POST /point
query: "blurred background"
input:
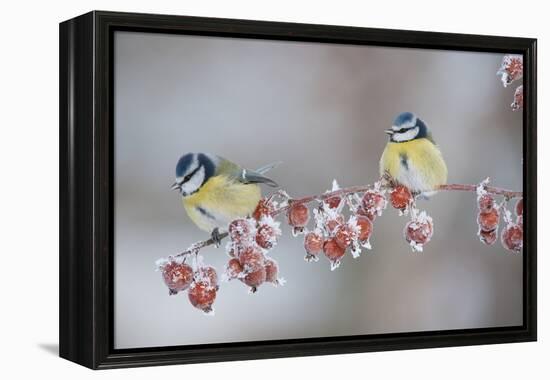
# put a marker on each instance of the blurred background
(321, 109)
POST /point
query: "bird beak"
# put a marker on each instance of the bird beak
(176, 186)
(389, 131)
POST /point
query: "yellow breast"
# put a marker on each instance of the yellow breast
(417, 164)
(221, 200)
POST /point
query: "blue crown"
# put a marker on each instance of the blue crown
(404, 118)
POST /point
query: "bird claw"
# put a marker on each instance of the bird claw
(216, 237)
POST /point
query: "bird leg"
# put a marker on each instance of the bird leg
(216, 237)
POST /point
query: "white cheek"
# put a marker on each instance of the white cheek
(194, 183)
(405, 136)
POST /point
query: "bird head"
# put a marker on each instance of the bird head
(192, 171)
(406, 127)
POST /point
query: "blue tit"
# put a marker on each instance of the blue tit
(216, 191)
(411, 156)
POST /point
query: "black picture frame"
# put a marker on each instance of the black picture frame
(86, 189)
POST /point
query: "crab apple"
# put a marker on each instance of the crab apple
(264, 208)
(488, 220)
(419, 231)
(512, 237)
(400, 197)
(488, 237)
(251, 259)
(298, 215)
(333, 202)
(271, 271)
(255, 278)
(485, 203)
(519, 207)
(233, 268)
(313, 243)
(344, 235)
(365, 227)
(518, 99)
(333, 222)
(511, 68)
(202, 296)
(362, 212)
(266, 237)
(240, 231)
(333, 251)
(177, 277)
(208, 274)
(373, 202)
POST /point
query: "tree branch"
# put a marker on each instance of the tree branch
(349, 191)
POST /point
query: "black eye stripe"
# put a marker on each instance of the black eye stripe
(188, 176)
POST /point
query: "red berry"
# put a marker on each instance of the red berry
(202, 296)
(240, 231)
(264, 208)
(518, 99)
(177, 276)
(298, 215)
(488, 220)
(365, 227)
(255, 278)
(208, 275)
(373, 202)
(271, 271)
(251, 259)
(485, 203)
(512, 237)
(400, 197)
(266, 237)
(362, 212)
(519, 207)
(313, 243)
(233, 268)
(419, 232)
(333, 251)
(488, 237)
(333, 202)
(344, 235)
(333, 223)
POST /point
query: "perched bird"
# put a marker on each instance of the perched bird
(411, 156)
(216, 191)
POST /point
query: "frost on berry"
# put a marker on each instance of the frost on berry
(488, 237)
(251, 259)
(333, 252)
(365, 230)
(177, 276)
(313, 244)
(344, 235)
(517, 104)
(488, 220)
(254, 279)
(485, 202)
(374, 201)
(419, 231)
(202, 296)
(298, 217)
(233, 269)
(207, 274)
(242, 231)
(264, 208)
(401, 198)
(511, 68)
(512, 237)
(268, 232)
(519, 207)
(272, 272)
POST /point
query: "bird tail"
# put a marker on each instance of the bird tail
(268, 167)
